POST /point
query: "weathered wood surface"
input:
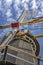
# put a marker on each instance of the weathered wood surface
(21, 45)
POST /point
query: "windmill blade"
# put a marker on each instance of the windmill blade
(32, 22)
(26, 15)
(17, 24)
(5, 26)
(38, 36)
(36, 28)
(23, 20)
(12, 25)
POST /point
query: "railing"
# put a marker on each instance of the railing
(19, 50)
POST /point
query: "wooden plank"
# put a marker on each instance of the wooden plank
(19, 50)
(23, 55)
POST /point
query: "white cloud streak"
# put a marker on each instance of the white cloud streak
(34, 4)
(17, 2)
(8, 13)
(8, 2)
(25, 6)
(25, 1)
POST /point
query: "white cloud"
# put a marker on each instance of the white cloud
(17, 2)
(1, 6)
(19, 13)
(25, 1)
(17, 9)
(10, 20)
(34, 4)
(25, 6)
(8, 13)
(5, 31)
(0, 3)
(41, 4)
(8, 2)
(16, 6)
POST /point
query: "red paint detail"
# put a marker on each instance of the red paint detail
(15, 25)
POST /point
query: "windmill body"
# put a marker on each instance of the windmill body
(20, 47)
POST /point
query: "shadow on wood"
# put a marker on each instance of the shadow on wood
(7, 63)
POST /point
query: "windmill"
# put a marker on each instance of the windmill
(20, 47)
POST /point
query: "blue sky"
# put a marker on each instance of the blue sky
(11, 10)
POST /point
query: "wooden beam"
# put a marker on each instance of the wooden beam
(24, 23)
(19, 50)
(38, 36)
(19, 58)
(32, 22)
(5, 26)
